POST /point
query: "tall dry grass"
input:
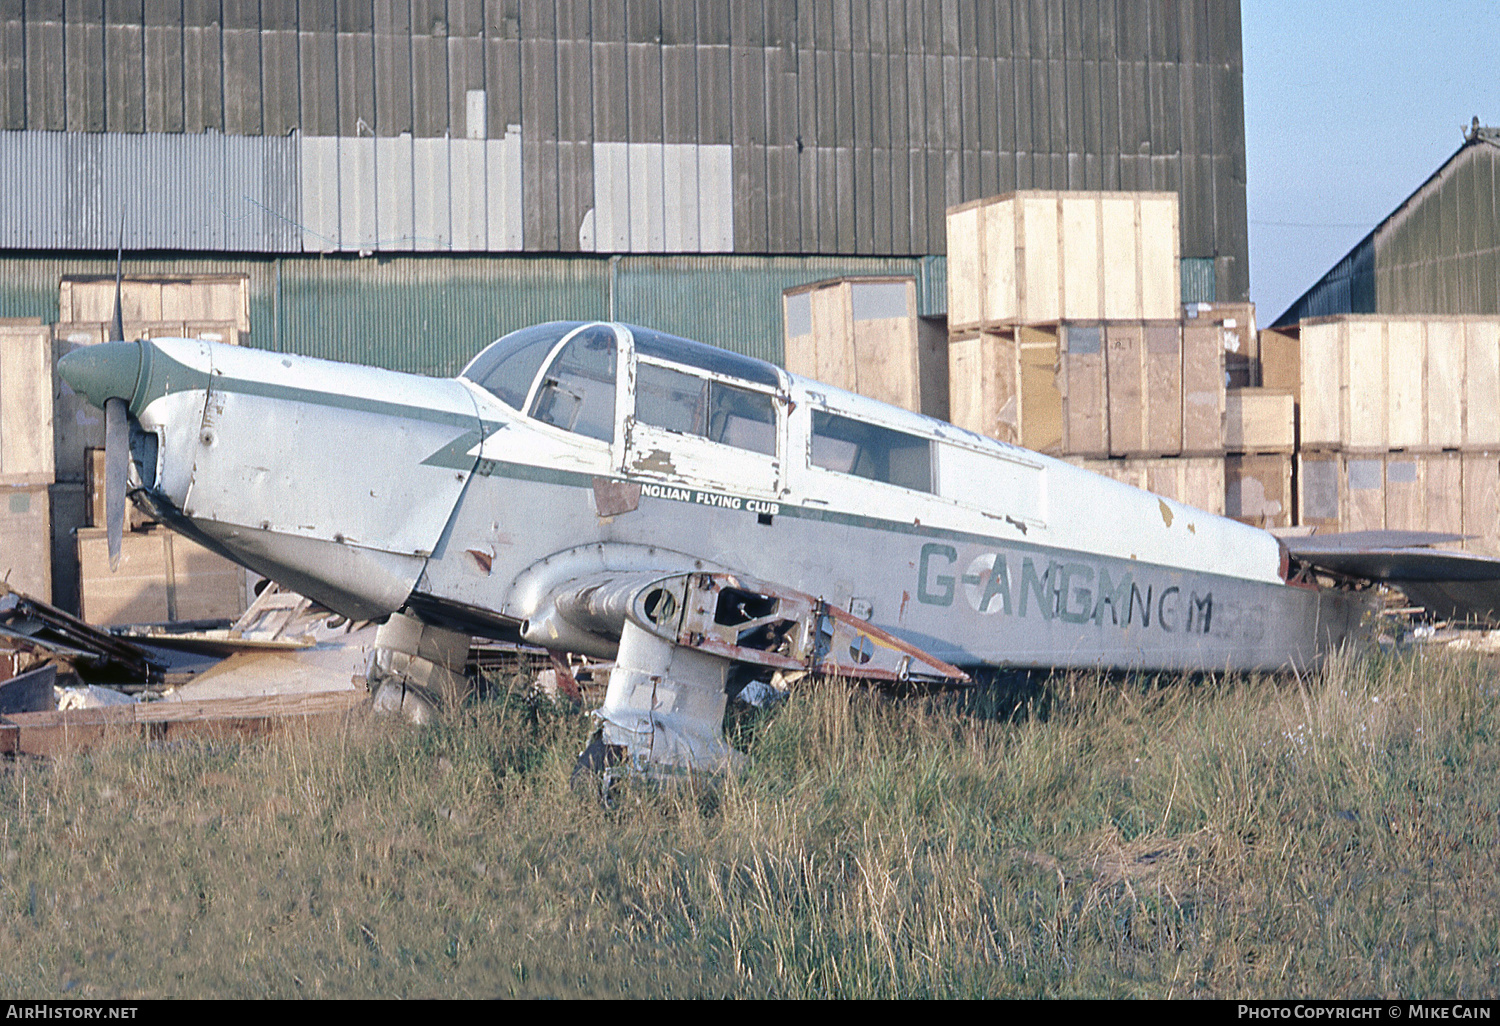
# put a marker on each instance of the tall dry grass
(1332, 836)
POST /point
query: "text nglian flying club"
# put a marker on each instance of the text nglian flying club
(702, 518)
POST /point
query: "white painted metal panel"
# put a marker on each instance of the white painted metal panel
(466, 195)
(431, 223)
(612, 197)
(995, 483)
(307, 411)
(646, 214)
(393, 192)
(716, 198)
(475, 114)
(320, 193)
(680, 185)
(357, 194)
(503, 193)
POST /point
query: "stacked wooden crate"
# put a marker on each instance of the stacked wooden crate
(1260, 422)
(863, 334)
(212, 307)
(27, 467)
(1398, 422)
(1066, 336)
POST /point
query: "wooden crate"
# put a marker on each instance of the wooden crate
(1202, 389)
(1036, 257)
(26, 540)
(94, 485)
(196, 297)
(1281, 360)
(1258, 489)
(1144, 365)
(26, 408)
(1373, 383)
(162, 576)
(1340, 491)
(1094, 390)
(1192, 480)
(864, 335)
(1236, 324)
(1259, 420)
(1481, 501)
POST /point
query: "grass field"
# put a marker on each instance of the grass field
(1330, 837)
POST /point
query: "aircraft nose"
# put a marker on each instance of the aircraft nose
(105, 371)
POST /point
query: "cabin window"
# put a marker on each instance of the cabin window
(854, 447)
(508, 366)
(577, 392)
(720, 412)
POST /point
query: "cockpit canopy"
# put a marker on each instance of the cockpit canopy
(563, 374)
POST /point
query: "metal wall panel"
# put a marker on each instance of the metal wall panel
(124, 98)
(317, 67)
(854, 122)
(242, 75)
(162, 53)
(174, 191)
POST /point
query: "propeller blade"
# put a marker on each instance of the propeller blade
(117, 333)
(116, 461)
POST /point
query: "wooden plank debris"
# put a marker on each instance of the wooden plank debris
(54, 734)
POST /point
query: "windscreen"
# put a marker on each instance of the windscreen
(508, 366)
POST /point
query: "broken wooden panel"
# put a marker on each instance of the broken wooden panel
(982, 394)
(1258, 489)
(1236, 323)
(1259, 420)
(1041, 398)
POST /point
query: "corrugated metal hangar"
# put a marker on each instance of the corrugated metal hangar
(403, 181)
(1437, 253)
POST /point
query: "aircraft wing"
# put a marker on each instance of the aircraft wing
(1451, 584)
(681, 634)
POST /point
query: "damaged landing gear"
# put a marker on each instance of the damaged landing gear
(417, 670)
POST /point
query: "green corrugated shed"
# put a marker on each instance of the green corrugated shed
(431, 314)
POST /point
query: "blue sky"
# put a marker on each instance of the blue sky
(1349, 106)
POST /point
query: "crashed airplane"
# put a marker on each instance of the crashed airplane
(700, 517)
